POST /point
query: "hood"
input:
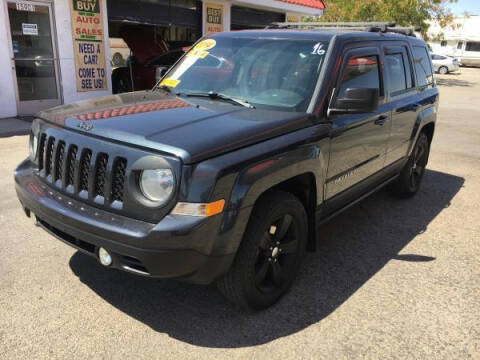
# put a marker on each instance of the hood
(192, 129)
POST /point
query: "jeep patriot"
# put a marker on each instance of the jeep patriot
(223, 171)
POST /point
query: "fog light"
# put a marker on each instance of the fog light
(104, 257)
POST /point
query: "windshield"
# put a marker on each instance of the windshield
(278, 74)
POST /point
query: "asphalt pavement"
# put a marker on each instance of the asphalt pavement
(391, 278)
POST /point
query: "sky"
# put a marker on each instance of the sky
(471, 6)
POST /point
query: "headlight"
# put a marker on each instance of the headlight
(33, 146)
(157, 185)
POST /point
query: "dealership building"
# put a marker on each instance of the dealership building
(56, 52)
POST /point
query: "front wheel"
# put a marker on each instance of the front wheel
(409, 180)
(270, 253)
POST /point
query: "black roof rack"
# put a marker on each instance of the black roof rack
(380, 27)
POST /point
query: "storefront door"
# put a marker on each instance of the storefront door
(34, 62)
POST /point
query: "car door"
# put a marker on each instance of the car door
(402, 95)
(358, 140)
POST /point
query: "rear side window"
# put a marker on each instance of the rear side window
(396, 73)
(472, 46)
(360, 72)
(423, 67)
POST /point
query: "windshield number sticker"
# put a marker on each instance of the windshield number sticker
(318, 49)
(206, 44)
(170, 82)
(198, 53)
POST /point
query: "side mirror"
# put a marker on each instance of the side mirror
(357, 100)
(160, 71)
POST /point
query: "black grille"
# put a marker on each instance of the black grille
(85, 169)
(118, 179)
(49, 155)
(70, 167)
(41, 151)
(100, 174)
(59, 161)
(72, 156)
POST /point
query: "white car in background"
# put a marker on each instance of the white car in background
(444, 64)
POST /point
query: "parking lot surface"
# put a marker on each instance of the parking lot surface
(391, 278)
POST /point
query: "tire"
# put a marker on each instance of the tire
(117, 59)
(410, 179)
(270, 253)
(121, 83)
(443, 70)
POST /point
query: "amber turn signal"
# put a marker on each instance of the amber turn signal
(199, 209)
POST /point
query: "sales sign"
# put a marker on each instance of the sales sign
(214, 18)
(88, 45)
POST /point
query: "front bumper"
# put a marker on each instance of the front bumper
(184, 247)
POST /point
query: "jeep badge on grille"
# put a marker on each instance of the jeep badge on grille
(85, 125)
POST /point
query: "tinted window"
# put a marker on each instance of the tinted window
(166, 59)
(396, 72)
(443, 43)
(360, 72)
(422, 65)
(472, 46)
(459, 45)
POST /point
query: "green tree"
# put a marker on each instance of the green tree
(403, 12)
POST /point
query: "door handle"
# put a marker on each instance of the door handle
(381, 120)
(414, 107)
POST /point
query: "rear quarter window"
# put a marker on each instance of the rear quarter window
(423, 66)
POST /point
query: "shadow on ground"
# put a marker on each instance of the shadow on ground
(352, 248)
(451, 82)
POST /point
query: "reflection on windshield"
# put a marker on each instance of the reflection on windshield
(269, 73)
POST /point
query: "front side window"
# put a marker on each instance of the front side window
(360, 72)
(472, 46)
(277, 74)
(423, 66)
(460, 45)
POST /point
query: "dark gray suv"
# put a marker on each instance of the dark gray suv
(223, 171)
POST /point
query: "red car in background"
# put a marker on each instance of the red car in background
(149, 60)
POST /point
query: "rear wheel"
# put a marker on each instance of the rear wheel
(443, 70)
(409, 180)
(270, 253)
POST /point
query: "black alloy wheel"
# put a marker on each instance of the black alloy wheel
(270, 253)
(417, 168)
(410, 179)
(277, 252)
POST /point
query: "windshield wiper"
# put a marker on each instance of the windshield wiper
(214, 95)
(163, 87)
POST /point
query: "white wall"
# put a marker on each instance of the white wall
(63, 31)
(8, 105)
(466, 28)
